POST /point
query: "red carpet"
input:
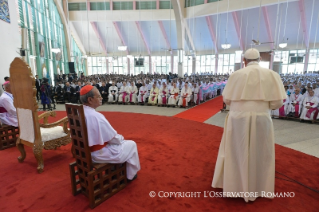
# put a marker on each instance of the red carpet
(203, 111)
(176, 155)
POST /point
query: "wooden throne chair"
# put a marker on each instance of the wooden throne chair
(96, 181)
(31, 132)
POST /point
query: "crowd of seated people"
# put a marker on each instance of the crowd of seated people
(150, 89)
(302, 97)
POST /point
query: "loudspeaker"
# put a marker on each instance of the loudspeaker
(71, 68)
(22, 52)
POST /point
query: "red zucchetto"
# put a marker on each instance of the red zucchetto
(86, 89)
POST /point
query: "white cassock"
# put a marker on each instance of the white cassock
(172, 100)
(297, 100)
(124, 94)
(163, 96)
(116, 150)
(283, 110)
(8, 113)
(246, 157)
(143, 90)
(196, 93)
(185, 93)
(133, 94)
(312, 113)
(113, 90)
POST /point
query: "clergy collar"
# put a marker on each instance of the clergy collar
(253, 63)
(88, 107)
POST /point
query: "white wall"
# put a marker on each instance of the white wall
(10, 41)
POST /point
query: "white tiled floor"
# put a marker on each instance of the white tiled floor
(303, 137)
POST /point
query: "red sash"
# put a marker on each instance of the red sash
(297, 109)
(142, 97)
(312, 110)
(184, 101)
(3, 110)
(131, 94)
(282, 110)
(153, 96)
(197, 101)
(123, 97)
(97, 147)
(164, 98)
(175, 95)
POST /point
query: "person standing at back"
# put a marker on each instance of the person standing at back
(246, 157)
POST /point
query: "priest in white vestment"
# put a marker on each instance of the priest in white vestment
(195, 91)
(246, 157)
(133, 93)
(105, 144)
(172, 100)
(124, 93)
(186, 94)
(113, 93)
(295, 100)
(8, 113)
(310, 107)
(143, 93)
(163, 95)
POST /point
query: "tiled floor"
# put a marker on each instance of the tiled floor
(303, 137)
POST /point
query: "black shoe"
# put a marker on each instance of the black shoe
(132, 179)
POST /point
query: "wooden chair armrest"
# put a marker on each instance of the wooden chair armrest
(46, 115)
(57, 123)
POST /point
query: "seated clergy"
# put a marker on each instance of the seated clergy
(133, 93)
(143, 93)
(173, 99)
(113, 90)
(195, 91)
(295, 100)
(124, 93)
(105, 144)
(163, 95)
(104, 91)
(283, 110)
(186, 95)
(153, 95)
(310, 106)
(8, 113)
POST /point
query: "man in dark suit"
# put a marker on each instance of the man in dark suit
(68, 92)
(70, 79)
(96, 85)
(104, 92)
(77, 91)
(37, 85)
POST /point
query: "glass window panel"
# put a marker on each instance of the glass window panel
(226, 59)
(232, 59)
(311, 67)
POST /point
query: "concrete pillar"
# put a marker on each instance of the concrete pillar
(194, 65)
(128, 66)
(150, 64)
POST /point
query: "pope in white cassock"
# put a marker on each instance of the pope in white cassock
(105, 144)
(246, 157)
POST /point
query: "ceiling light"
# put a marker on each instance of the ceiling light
(122, 48)
(226, 45)
(282, 45)
(55, 50)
